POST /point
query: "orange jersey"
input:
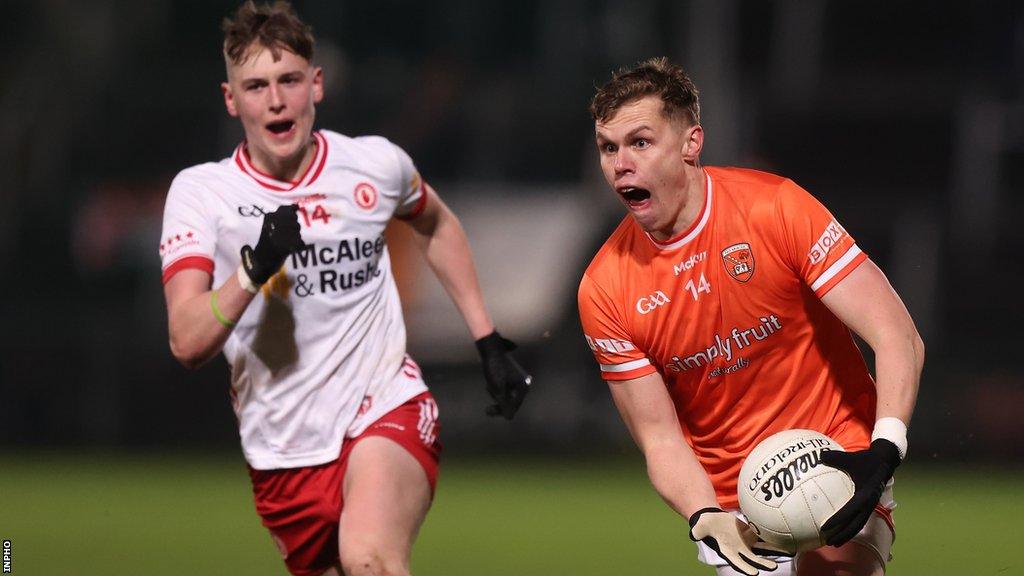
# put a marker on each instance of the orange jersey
(729, 313)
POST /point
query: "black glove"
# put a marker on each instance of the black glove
(870, 469)
(507, 382)
(734, 541)
(278, 238)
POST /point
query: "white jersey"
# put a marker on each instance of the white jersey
(319, 354)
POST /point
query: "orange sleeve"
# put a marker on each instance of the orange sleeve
(613, 348)
(820, 250)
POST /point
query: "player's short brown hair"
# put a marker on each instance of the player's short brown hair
(273, 26)
(656, 76)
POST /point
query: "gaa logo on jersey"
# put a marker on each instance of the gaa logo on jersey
(739, 261)
(366, 195)
(649, 304)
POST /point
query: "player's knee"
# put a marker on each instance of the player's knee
(367, 558)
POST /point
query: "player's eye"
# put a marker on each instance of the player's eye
(641, 143)
(608, 148)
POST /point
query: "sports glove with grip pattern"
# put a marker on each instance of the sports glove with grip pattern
(869, 469)
(734, 541)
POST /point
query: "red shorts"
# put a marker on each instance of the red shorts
(302, 506)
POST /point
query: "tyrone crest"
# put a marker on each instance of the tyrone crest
(739, 261)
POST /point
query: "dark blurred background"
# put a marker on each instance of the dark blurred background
(906, 119)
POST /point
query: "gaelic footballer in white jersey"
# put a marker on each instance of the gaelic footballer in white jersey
(319, 355)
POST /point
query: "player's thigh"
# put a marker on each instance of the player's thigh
(865, 555)
(386, 495)
(851, 559)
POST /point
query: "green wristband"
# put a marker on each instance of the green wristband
(216, 312)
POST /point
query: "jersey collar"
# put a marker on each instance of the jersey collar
(693, 230)
(244, 163)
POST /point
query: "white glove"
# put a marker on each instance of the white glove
(734, 541)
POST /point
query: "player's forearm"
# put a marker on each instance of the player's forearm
(679, 478)
(196, 334)
(449, 256)
(899, 360)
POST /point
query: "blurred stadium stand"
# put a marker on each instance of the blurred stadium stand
(907, 119)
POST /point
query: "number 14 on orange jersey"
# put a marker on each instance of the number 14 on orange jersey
(696, 288)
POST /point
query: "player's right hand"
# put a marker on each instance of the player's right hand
(279, 237)
(734, 541)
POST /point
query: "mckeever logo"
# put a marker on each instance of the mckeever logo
(689, 263)
(647, 304)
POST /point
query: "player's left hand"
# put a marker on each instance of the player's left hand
(870, 469)
(734, 541)
(507, 381)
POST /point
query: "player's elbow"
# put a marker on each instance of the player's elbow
(902, 342)
(918, 345)
(191, 357)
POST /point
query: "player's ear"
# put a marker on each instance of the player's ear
(229, 99)
(318, 84)
(693, 143)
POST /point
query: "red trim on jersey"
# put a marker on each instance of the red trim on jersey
(318, 162)
(421, 203)
(194, 262)
(244, 163)
(857, 260)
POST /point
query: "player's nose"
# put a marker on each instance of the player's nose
(276, 100)
(623, 162)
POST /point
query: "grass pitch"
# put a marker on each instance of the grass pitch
(193, 515)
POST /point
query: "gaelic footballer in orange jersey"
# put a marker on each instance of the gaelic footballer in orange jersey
(728, 312)
(721, 310)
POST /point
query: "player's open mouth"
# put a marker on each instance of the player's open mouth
(635, 197)
(281, 127)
